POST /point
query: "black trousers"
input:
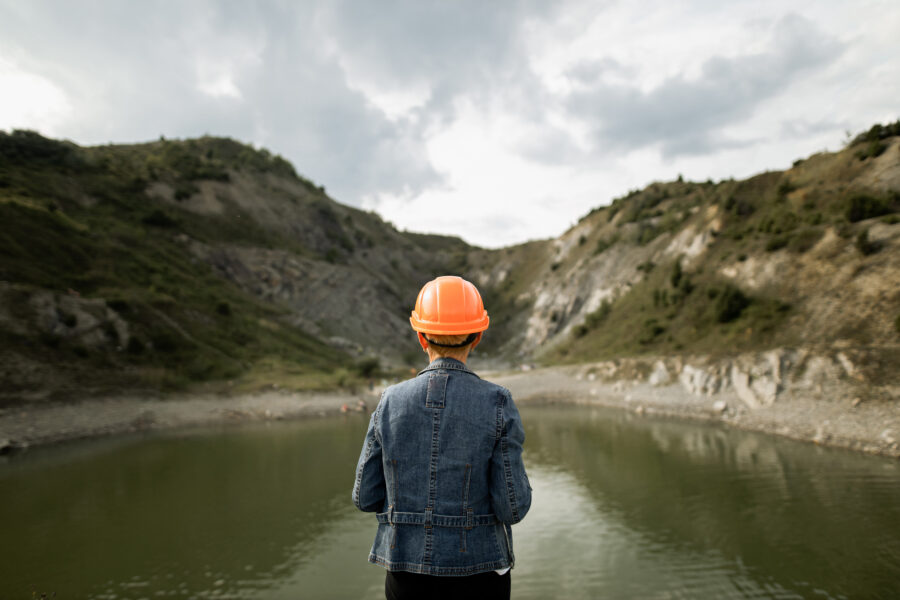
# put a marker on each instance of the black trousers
(400, 585)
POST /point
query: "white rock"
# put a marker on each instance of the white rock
(660, 375)
(741, 383)
(756, 385)
(720, 406)
(699, 381)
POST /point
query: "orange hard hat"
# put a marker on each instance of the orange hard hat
(449, 305)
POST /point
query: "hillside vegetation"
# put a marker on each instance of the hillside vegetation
(207, 262)
(139, 266)
(805, 257)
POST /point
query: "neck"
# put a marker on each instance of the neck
(433, 356)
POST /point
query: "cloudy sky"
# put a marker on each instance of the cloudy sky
(496, 121)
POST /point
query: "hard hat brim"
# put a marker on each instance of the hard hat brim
(449, 328)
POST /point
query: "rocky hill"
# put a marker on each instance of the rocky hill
(161, 265)
(207, 262)
(750, 285)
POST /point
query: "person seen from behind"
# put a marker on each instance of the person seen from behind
(441, 462)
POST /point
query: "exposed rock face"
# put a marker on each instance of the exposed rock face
(748, 382)
(337, 303)
(755, 380)
(755, 389)
(759, 380)
(87, 322)
(660, 375)
(700, 381)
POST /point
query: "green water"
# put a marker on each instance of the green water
(624, 507)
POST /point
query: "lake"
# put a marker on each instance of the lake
(624, 507)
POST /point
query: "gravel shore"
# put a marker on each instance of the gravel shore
(865, 426)
(22, 427)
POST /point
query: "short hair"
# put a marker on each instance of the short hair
(457, 353)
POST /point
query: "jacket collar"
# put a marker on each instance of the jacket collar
(444, 362)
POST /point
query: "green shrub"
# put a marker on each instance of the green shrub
(729, 304)
(29, 147)
(660, 298)
(677, 274)
(777, 243)
(134, 346)
(780, 222)
(785, 188)
(864, 244)
(119, 305)
(877, 132)
(646, 233)
(159, 219)
(184, 190)
(650, 330)
(603, 244)
(804, 239)
(164, 342)
(871, 150)
(646, 266)
(613, 210)
(368, 366)
(844, 231)
(864, 206)
(598, 316)
(224, 309)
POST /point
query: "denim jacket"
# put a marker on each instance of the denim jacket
(442, 467)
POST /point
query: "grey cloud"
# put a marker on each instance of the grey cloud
(687, 115)
(590, 72)
(446, 44)
(801, 128)
(130, 72)
(550, 146)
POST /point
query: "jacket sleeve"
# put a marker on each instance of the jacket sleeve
(369, 487)
(510, 490)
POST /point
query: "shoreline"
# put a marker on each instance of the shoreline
(24, 427)
(872, 427)
(866, 426)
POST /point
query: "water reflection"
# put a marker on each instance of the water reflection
(226, 512)
(624, 507)
(773, 517)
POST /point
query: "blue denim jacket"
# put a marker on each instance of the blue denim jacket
(442, 467)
